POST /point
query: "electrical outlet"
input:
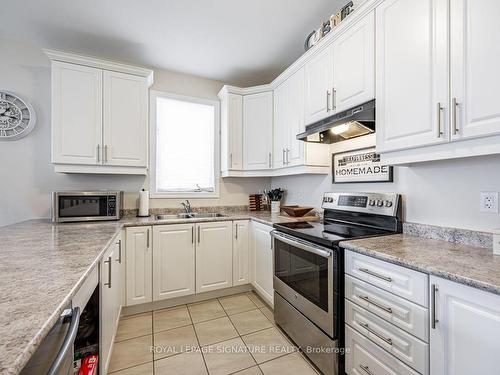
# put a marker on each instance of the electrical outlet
(489, 202)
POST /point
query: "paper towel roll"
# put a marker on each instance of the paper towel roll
(144, 203)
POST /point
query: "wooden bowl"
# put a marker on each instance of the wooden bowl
(296, 211)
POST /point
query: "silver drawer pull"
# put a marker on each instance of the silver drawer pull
(369, 329)
(370, 272)
(366, 369)
(382, 307)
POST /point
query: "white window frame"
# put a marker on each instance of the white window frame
(154, 94)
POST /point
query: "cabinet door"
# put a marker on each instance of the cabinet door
(295, 120)
(214, 256)
(354, 65)
(231, 132)
(262, 259)
(138, 265)
(76, 114)
(125, 120)
(411, 73)
(173, 267)
(475, 77)
(318, 86)
(241, 261)
(258, 130)
(465, 338)
(281, 126)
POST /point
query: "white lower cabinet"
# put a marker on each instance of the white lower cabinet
(109, 300)
(139, 265)
(262, 261)
(174, 261)
(465, 330)
(241, 250)
(214, 256)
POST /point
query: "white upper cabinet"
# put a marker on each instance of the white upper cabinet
(465, 326)
(231, 131)
(354, 65)
(281, 114)
(174, 261)
(475, 76)
(99, 115)
(258, 130)
(411, 73)
(319, 86)
(125, 120)
(76, 114)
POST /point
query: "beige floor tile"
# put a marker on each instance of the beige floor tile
(237, 304)
(183, 364)
(131, 352)
(255, 370)
(291, 364)
(250, 321)
(215, 330)
(207, 310)
(268, 344)
(268, 313)
(170, 318)
(174, 341)
(227, 357)
(134, 326)
(256, 299)
(145, 369)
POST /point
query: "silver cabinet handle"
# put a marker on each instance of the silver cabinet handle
(434, 320)
(380, 306)
(105, 153)
(147, 238)
(236, 234)
(366, 369)
(283, 161)
(287, 160)
(328, 100)
(192, 234)
(108, 284)
(270, 160)
(439, 110)
(231, 160)
(199, 235)
(119, 260)
(371, 330)
(334, 99)
(98, 153)
(377, 275)
(68, 342)
(454, 106)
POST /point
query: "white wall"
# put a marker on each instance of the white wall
(444, 193)
(26, 175)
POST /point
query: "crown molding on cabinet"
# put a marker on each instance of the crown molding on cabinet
(99, 169)
(74, 58)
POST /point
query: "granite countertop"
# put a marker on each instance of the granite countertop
(42, 266)
(465, 264)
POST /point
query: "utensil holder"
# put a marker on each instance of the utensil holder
(275, 207)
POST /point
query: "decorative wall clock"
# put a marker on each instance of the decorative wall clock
(17, 117)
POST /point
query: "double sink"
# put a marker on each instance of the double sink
(190, 215)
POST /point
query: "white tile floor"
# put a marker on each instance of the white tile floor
(229, 335)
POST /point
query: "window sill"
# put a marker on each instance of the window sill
(185, 195)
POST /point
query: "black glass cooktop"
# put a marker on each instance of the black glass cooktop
(328, 233)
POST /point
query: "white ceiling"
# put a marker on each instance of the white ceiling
(242, 42)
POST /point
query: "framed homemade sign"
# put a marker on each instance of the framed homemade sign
(360, 166)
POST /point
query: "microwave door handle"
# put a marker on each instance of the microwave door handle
(68, 342)
(309, 248)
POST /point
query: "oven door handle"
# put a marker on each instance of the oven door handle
(309, 248)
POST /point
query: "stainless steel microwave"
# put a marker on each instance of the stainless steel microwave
(71, 206)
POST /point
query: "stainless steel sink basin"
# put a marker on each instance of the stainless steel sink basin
(193, 215)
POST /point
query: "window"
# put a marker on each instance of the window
(184, 146)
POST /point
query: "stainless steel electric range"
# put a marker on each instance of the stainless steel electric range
(309, 270)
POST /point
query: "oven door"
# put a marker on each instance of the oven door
(304, 276)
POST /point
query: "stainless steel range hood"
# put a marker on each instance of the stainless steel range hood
(349, 124)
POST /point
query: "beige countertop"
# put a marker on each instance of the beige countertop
(465, 264)
(42, 266)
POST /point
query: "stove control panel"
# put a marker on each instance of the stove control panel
(374, 203)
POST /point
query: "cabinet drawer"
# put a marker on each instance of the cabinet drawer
(363, 357)
(402, 345)
(401, 281)
(404, 314)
